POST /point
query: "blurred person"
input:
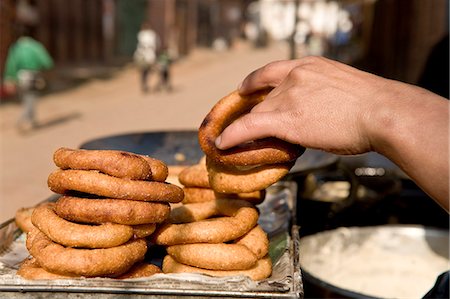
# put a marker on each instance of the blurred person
(26, 61)
(164, 62)
(145, 54)
(323, 104)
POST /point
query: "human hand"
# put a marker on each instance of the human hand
(316, 102)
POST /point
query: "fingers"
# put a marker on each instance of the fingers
(249, 127)
(270, 75)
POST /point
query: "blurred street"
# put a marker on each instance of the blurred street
(103, 107)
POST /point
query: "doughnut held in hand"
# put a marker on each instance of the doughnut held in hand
(92, 182)
(257, 152)
(130, 212)
(58, 259)
(72, 234)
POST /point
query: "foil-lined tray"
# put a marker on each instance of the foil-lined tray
(277, 218)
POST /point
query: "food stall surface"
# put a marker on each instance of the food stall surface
(348, 195)
(277, 218)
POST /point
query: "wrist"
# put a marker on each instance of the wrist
(380, 120)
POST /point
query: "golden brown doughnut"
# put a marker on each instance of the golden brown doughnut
(195, 194)
(143, 230)
(260, 271)
(219, 256)
(193, 212)
(258, 152)
(92, 182)
(141, 269)
(58, 259)
(160, 171)
(23, 217)
(30, 269)
(116, 163)
(256, 240)
(255, 197)
(120, 211)
(241, 217)
(240, 255)
(195, 175)
(72, 234)
(229, 179)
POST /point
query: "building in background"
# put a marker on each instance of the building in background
(96, 32)
(393, 38)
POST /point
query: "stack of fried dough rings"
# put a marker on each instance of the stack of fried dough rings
(213, 233)
(111, 202)
(248, 167)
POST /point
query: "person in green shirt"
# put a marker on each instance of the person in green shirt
(26, 60)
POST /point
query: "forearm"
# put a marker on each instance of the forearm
(410, 126)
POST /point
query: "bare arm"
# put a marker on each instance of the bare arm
(323, 104)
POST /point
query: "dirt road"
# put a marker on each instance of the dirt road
(114, 106)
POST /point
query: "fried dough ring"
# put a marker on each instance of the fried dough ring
(219, 256)
(241, 217)
(58, 259)
(116, 163)
(120, 211)
(241, 255)
(263, 151)
(30, 269)
(255, 197)
(72, 234)
(194, 176)
(256, 240)
(23, 217)
(140, 270)
(260, 271)
(143, 230)
(92, 182)
(195, 195)
(160, 171)
(228, 179)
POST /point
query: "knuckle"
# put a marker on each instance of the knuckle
(298, 73)
(270, 69)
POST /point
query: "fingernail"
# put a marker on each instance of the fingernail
(218, 141)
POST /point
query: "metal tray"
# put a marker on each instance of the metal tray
(277, 217)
